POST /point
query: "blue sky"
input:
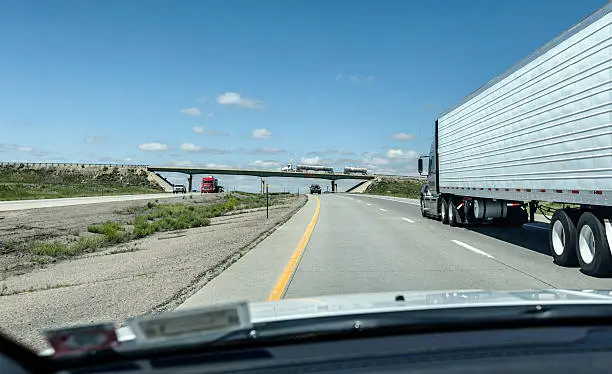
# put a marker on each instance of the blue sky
(252, 83)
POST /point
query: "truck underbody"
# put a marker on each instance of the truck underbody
(539, 132)
(580, 235)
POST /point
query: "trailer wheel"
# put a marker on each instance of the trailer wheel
(468, 212)
(562, 239)
(592, 247)
(444, 211)
(453, 214)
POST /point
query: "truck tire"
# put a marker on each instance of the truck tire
(592, 247)
(444, 211)
(562, 239)
(453, 214)
(468, 212)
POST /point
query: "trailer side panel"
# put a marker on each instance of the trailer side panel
(541, 132)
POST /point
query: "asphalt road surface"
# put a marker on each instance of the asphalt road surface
(369, 244)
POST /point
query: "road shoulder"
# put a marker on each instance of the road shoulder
(253, 276)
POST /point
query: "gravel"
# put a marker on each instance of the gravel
(61, 222)
(149, 275)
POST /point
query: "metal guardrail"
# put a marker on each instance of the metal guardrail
(3, 163)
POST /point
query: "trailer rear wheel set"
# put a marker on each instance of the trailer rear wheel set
(577, 236)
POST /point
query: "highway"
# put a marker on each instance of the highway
(369, 244)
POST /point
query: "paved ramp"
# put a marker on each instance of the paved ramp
(361, 187)
(161, 181)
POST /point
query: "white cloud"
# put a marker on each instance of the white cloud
(332, 152)
(182, 163)
(191, 111)
(94, 139)
(311, 160)
(202, 130)
(210, 114)
(376, 161)
(369, 79)
(339, 76)
(398, 153)
(403, 137)
(219, 166)
(24, 149)
(265, 164)
(261, 134)
(233, 98)
(190, 147)
(155, 146)
(267, 150)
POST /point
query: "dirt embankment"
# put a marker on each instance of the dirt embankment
(141, 276)
(21, 181)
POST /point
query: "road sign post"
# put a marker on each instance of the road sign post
(267, 203)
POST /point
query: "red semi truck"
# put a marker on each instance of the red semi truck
(210, 184)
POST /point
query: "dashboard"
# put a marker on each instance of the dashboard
(528, 350)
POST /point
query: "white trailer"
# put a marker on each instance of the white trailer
(355, 170)
(319, 168)
(541, 131)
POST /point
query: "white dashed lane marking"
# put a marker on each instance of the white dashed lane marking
(536, 227)
(470, 248)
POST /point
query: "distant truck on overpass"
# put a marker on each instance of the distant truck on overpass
(319, 168)
(355, 170)
(540, 132)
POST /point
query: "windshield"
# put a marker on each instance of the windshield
(160, 156)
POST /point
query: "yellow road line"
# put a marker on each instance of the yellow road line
(283, 281)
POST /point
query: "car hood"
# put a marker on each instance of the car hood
(363, 303)
(380, 302)
(394, 301)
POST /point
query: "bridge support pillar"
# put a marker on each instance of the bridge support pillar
(190, 182)
(334, 186)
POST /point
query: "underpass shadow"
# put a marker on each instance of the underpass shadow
(532, 236)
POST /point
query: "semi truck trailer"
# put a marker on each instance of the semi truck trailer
(355, 170)
(539, 132)
(319, 168)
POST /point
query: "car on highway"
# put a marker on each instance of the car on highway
(454, 331)
(315, 188)
(179, 188)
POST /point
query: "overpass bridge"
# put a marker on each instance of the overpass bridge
(195, 170)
